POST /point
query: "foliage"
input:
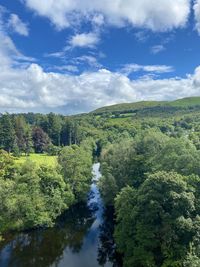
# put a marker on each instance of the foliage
(158, 222)
(37, 195)
(7, 136)
(150, 161)
(129, 160)
(7, 165)
(76, 166)
(40, 140)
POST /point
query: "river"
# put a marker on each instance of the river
(82, 237)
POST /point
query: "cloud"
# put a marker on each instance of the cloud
(196, 8)
(130, 68)
(26, 86)
(157, 49)
(59, 54)
(33, 89)
(98, 20)
(9, 55)
(87, 59)
(141, 36)
(17, 25)
(68, 68)
(157, 15)
(84, 40)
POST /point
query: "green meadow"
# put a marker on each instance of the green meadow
(39, 159)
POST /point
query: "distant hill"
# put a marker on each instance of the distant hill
(186, 102)
(149, 105)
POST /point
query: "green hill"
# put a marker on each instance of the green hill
(148, 105)
(186, 102)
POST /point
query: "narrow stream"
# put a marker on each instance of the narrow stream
(79, 239)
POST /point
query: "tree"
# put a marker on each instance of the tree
(28, 143)
(7, 133)
(129, 160)
(179, 155)
(20, 129)
(76, 166)
(37, 195)
(69, 133)
(108, 189)
(7, 165)
(57, 192)
(158, 223)
(54, 128)
(40, 140)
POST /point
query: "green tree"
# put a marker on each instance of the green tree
(157, 223)
(108, 189)
(54, 128)
(76, 164)
(28, 142)
(7, 165)
(179, 155)
(20, 129)
(37, 195)
(56, 191)
(129, 160)
(7, 133)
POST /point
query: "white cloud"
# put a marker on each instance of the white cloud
(84, 40)
(33, 89)
(157, 15)
(141, 36)
(88, 59)
(196, 8)
(28, 87)
(68, 68)
(157, 49)
(129, 68)
(17, 25)
(59, 54)
(98, 20)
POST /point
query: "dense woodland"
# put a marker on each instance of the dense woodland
(150, 161)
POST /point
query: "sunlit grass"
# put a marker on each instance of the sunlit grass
(40, 159)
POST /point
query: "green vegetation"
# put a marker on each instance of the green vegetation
(186, 102)
(135, 107)
(37, 194)
(158, 223)
(153, 181)
(38, 159)
(40, 189)
(150, 164)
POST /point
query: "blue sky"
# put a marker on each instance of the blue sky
(72, 56)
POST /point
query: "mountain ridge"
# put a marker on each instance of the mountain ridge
(135, 106)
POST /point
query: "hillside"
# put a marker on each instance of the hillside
(148, 105)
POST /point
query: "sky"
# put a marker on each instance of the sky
(73, 56)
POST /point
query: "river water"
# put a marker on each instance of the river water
(81, 238)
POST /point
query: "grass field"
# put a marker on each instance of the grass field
(39, 159)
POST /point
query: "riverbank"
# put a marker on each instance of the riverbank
(77, 240)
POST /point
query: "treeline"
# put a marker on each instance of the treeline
(26, 133)
(153, 181)
(34, 195)
(39, 133)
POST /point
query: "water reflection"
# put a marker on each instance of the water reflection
(107, 248)
(81, 238)
(45, 248)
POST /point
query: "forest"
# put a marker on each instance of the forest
(150, 163)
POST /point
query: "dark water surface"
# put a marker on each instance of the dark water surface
(81, 238)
